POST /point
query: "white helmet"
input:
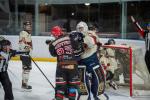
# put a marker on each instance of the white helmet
(82, 25)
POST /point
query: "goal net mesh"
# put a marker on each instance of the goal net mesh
(129, 68)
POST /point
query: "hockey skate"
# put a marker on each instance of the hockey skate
(89, 98)
(26, 88)
(113, 85)
(102, 97)
(96, 98)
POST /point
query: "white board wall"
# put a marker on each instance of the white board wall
(40, 49)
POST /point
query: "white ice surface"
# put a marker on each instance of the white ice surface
(42, 90)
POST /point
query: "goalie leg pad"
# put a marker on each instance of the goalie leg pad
(88, 78)
(98, 77)
(82, 77)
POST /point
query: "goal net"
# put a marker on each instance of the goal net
(129, 68)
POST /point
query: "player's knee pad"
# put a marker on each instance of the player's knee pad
(26, 71)
(60, 81)
(27, 67)
(72, 93)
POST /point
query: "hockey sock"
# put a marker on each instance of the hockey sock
(25, 76)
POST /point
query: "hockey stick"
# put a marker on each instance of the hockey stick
(42, 72)
(135, 22)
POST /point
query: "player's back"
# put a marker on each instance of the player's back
(63, 49)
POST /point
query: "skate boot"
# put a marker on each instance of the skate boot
(89, 98)
(103, 97)
(26, 87)
(113, 85)
(79, 95)
(96, 98)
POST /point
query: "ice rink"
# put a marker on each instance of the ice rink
(42, 90)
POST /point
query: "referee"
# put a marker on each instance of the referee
(5, 56)
(146, 35)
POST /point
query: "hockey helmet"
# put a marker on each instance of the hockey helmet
(4, 43)
(27, 25)
(111, 42)
(27, 22)
(77, 36)
(91, 26)
(56, 31)
(82, 27)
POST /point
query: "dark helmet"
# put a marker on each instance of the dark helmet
(77, 36)
(4, 43)
(111, 41)
(27, 22)
(91, 26)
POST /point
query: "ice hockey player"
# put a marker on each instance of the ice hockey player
(110, 63)
(25, 44)
(90, 60)
(67, 71)
(5, 54)
(146, 35)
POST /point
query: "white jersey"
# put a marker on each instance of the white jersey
(112, 59)
(90, 41)
(25, 41)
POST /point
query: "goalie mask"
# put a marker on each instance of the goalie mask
(56, 31)
(5, 45)
(82, 27)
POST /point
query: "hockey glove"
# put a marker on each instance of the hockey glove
(48, 42)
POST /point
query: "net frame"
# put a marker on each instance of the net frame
(130, 64)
